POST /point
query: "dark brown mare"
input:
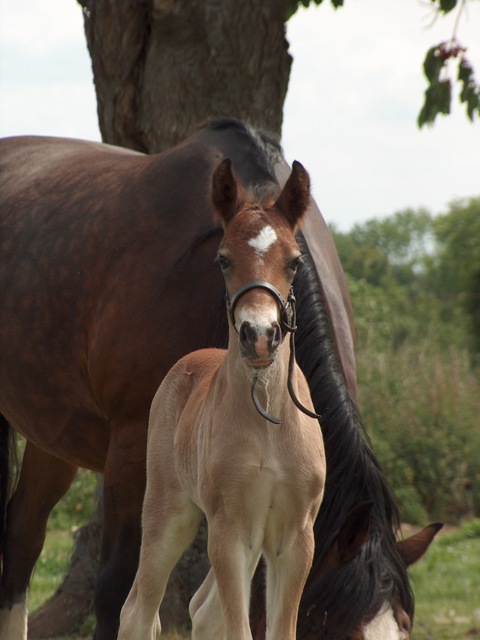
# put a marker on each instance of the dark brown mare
(107, 279)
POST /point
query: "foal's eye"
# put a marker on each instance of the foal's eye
(222, 261)
(295, 263)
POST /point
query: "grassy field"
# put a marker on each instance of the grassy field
(446, 584)
(447, 587)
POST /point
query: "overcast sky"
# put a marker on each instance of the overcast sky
(350, 116)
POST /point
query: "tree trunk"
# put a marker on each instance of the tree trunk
(72, 603)
(160, 68)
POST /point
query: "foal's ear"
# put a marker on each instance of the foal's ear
(224, 191)
(295, 197)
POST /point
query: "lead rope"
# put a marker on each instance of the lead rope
(257, 403)
(291, 328)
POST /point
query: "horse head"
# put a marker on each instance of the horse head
(259, 257)
(390, 615)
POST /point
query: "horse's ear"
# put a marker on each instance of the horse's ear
(352, 535)
(413, 548)
(353, 532)
(295, 197)
(224, 191)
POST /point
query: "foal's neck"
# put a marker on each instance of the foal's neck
(272, 381)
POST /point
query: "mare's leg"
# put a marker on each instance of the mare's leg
(234, 559)
(124, 487)
(287, 570)
(43, 480)
(170, 522)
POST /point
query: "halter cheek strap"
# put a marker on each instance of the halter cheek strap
(288, 319)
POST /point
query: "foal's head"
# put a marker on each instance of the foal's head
(259, 257)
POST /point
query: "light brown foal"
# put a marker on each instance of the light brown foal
(211, 451)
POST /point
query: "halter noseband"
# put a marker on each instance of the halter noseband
(287, 307)
(288, 324)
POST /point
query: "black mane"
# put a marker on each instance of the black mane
(339, 600)
(254, 153)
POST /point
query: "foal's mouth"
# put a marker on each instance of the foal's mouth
(258, 360)
(258, 363)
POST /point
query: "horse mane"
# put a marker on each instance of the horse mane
(258, 153)
(353, 476)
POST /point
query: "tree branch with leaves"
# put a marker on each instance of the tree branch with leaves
(438, 71)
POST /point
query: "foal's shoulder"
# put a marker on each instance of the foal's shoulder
(188, 375)
(201, 362)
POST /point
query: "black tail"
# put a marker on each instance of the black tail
(7, 453)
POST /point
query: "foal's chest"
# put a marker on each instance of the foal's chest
(258, 477)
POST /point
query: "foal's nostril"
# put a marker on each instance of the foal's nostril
(274, 335)
(247, 334)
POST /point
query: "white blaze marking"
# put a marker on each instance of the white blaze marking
(263, 241)
(383, 627)
(262, 317)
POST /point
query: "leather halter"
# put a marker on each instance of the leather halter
(288, 318)
(287, 307)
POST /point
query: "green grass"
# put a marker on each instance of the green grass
(51, 566)
(446, 583)
(447, 587)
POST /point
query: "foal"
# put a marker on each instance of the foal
(212, 450)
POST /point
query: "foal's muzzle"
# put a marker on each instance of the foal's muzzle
(258, 344)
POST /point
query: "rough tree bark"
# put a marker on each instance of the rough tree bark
(160, 68)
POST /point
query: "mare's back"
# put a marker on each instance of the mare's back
(98, 249)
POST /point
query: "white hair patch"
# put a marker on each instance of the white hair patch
(263, 241)
(384, 627)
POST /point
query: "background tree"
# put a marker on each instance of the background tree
(416, 307)
(455, 270)
(162, 66)
(417, 269)
(439, 68)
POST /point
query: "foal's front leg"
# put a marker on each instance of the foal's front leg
(233, 561)
(287, 571)
(169, 526)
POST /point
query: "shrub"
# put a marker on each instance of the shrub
(421, 409)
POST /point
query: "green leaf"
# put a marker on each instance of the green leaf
(447, 5)
(465, 71)
(470, 91)
(433, 64)
(438, 98)
(473, 104)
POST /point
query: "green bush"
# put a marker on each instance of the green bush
(77, 505)
(421, 409)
